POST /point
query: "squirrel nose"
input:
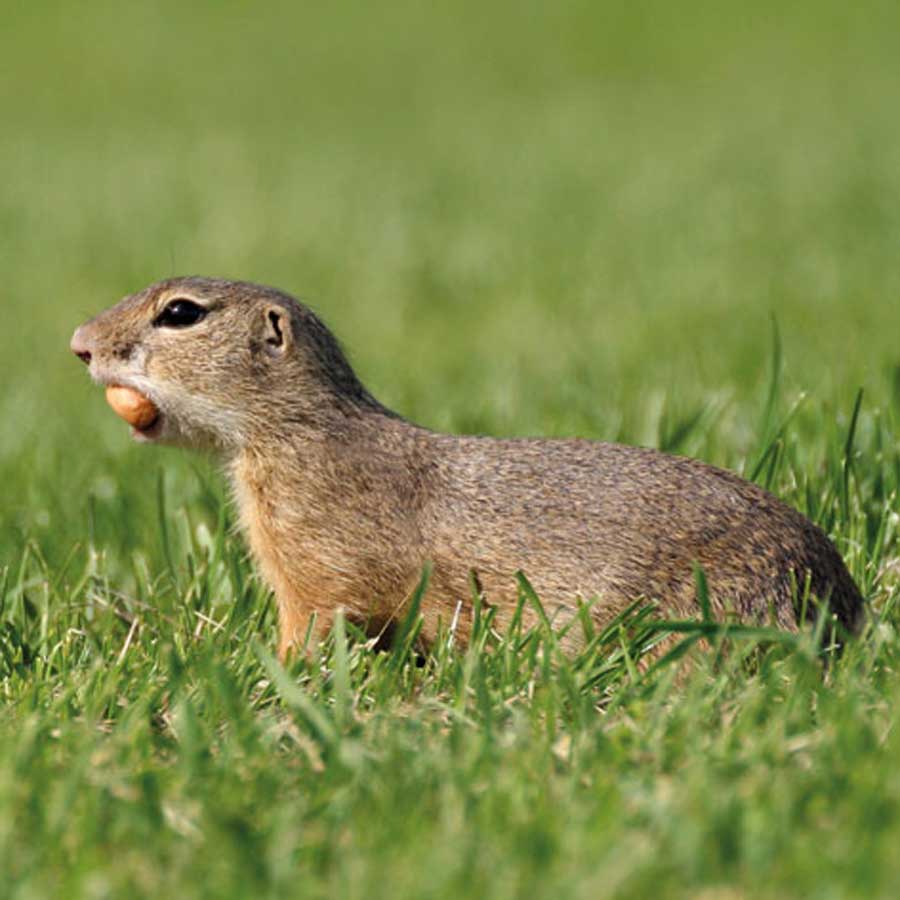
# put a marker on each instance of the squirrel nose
(79, 346)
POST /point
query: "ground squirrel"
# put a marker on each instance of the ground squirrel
(344, 502)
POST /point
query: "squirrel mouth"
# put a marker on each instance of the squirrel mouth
(149, 432)
(137, 409)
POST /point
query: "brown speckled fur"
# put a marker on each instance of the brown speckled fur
(344, 502)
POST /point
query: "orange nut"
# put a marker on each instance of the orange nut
(137, 410)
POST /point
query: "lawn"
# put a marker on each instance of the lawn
(674, 225)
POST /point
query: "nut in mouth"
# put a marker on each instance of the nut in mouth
(138, 410)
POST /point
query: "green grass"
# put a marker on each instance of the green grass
(566, 219)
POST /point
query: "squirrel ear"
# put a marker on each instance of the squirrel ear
(277, 330)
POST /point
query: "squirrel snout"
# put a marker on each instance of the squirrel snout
(81, 346)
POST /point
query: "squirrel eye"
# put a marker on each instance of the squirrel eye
(180, 314)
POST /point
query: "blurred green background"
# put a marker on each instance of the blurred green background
(520, 218)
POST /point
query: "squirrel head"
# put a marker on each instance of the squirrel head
(221, 361)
